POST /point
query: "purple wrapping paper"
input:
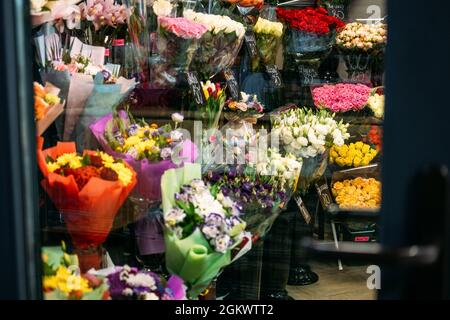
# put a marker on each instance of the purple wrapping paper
(149, 235)
(148, 173)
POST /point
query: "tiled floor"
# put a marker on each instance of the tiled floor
(348, 284)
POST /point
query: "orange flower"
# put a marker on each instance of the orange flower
(154, 126)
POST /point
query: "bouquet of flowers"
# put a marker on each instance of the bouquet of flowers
(247, 109)
(126, 283)
(60, 12)
(376, 104)
(268, 36)
(352, 155)
(342, 97)
(219, 46)
(45, 98)
(358, 193)
(362, 46)
(178, 40)
(87, 189)
(101, 20)
(309, 135)
(311, 30)
(149, 149)
(63, 281)
(262, 189)
(215, 97)
(358, 37)
(203, 226)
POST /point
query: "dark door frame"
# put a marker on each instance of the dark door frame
(19, 222)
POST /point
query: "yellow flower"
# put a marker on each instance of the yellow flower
(52, 166)
(132, 141)
(334, 154)
(106, 158)
(124, 173)
(358, 145)
(71, 159)
(356, 161)
(365, 148)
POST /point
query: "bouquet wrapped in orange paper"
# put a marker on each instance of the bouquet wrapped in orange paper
(87, 189)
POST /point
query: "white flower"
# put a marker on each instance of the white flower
(222, 243)
(338, 141)
(37, 5)
(174, 216)
(177, 117)
(162, 8)
(166, 153)
(302, 141)
(310, 152)
(198, 184)
(128, 292)
(244, 96)
(210, 231)
(149, 296)
(92, 70)
(141, 280)
(176, 135)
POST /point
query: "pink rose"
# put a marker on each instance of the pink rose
(182, 27)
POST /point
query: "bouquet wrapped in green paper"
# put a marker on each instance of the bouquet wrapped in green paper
(203, 228)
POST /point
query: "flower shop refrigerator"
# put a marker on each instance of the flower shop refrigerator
(172, 150)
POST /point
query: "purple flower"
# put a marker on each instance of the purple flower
(214, 219)
(119, 138)
(234, 221)
(166, 153)
(106, 74)
(210, 231)
(132, 129)
(222, 243)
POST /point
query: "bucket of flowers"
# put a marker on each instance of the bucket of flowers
(309, 135)
(309, 38)
(362, 47)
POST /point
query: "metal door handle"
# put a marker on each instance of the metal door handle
(374, 252)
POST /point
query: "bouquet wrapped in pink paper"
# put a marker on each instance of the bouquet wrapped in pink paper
(149, 149)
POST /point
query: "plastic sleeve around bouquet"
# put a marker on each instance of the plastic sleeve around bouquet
(101, 101)
(215, 53)
(149, 173)
(268, 45)
(177, 43)
(312, 169)
(88, 213)
(191, 258)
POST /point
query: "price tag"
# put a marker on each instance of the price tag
(274, 75)
(250, 42)
(196, 87)
(324, 193)
(303, 210)
(307, 75)
(232, 84)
